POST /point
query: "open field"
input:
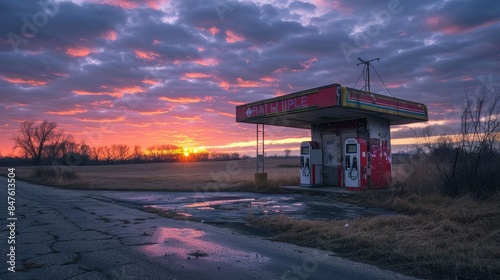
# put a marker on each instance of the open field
(172, 176)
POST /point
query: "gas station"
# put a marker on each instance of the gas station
(350, 142)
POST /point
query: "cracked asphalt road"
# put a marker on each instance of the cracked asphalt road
(69, 234)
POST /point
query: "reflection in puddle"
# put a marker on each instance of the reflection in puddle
(180, 242)
(206, 208)
(218, 202)
(238, 208)
(184, 214)
(218, 206)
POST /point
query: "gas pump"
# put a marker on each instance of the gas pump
(310, 163)
(355, 167)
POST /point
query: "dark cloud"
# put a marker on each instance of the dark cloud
(57, 26)
(299, 5)
(464, 16)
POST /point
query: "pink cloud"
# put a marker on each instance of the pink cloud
(335, 5)
(146, 55)
(181, 99)
(246, 83)
(213, 30)
(268, 79)
(24, 81)
(241, 83)
(79, 51)
(150, 82)
(207, 61)
(110, 35)
(305, 66)
(124, 4)
(156, 4)
(224, 84)
(446, 25)
(225, 114)
(232, 37)
(118, 119)
(68, 112)
(156, 112)
(196, 118)
(195, 75)
(115, 92)
(235, 103)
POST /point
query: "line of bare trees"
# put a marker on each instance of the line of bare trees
(44, 144)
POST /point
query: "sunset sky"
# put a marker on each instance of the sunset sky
(172, 71)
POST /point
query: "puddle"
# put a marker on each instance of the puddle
(185, 242)
(218, 202)
(235, 208)
(238, 207)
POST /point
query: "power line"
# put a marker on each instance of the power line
(366, 75)
(383, 82)
(366, 69)
(354, 86)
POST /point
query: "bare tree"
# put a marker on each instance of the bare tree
(480, 130)
(122, 152)
(108, 153)
(468, 163)
(84, 153)
(287, 152)
(137, 153)
(66, 147)
(201, 156)
(153, 153)
(32, 138)
(170, 152)
(96, 153)
(477, 155)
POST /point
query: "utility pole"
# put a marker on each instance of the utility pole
(367, 69)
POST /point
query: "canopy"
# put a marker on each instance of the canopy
(329, 103)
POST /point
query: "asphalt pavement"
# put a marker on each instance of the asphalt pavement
(72, 234)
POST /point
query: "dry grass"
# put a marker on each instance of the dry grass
(174, 176)
(434, 236)
(58, 176)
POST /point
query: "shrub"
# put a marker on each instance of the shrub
(468, 162)
(55, 173)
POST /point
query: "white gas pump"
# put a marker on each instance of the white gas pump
(310, 163)
(355, 163)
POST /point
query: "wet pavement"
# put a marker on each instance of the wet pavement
(70, 234)
(222, 207)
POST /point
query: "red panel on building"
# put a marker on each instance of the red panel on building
(380, 154)
(302, 101)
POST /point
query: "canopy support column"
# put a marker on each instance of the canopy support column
(260, 148)
(260, 176)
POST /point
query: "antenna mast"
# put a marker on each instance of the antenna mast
(367, 70)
